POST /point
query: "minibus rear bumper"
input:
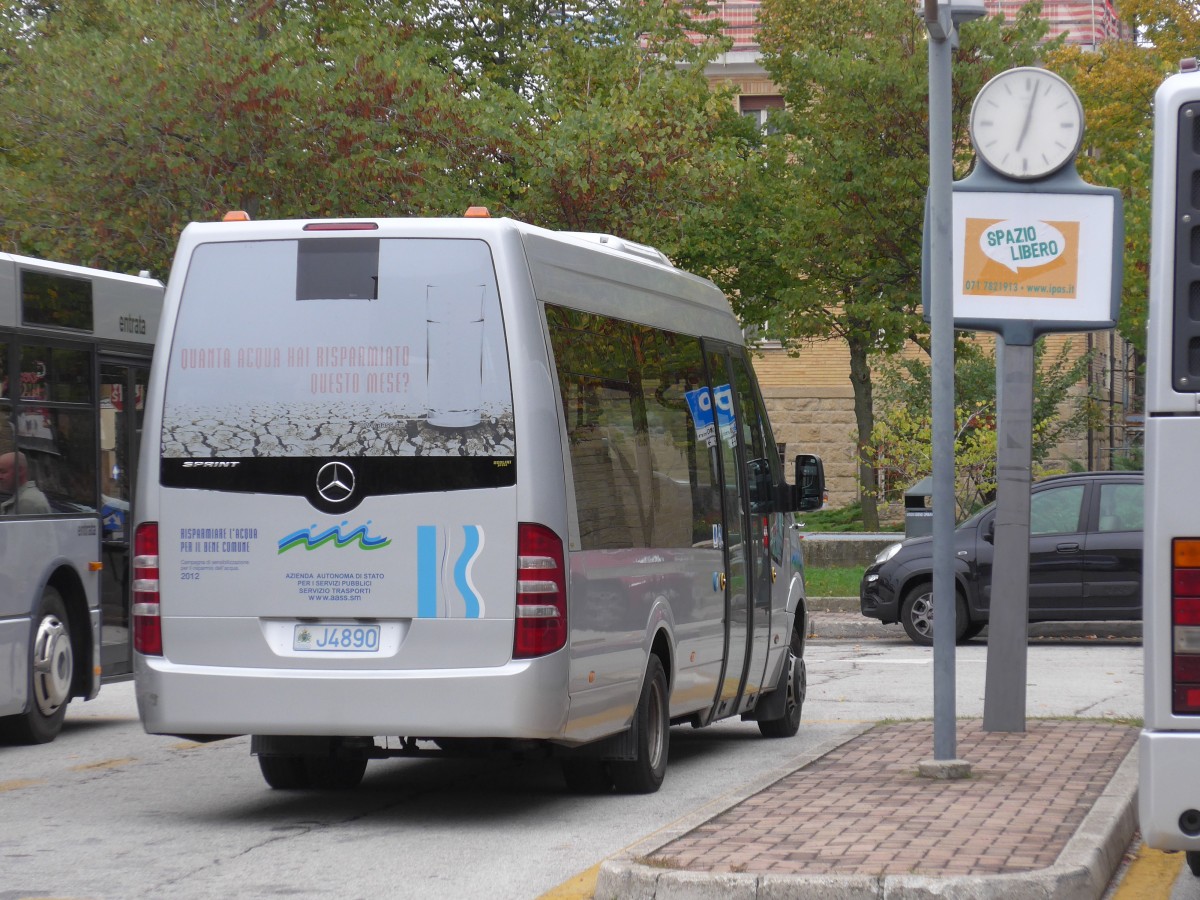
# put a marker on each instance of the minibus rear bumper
(1168, 790)
(522, 699)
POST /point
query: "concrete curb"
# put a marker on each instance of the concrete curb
(1082, 871)
(834, 618)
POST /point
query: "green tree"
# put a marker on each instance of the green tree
(1116, 84)
(848, 170)
(174, 111)
(624, 134)
(901, 441)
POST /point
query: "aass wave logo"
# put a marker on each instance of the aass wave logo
(433, 565)
(310, 538)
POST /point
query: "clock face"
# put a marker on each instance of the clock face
(1026, 123)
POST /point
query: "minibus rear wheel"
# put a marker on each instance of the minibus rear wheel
(297, 771)
(645, 774)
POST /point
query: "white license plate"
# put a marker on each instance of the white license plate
(336, 638)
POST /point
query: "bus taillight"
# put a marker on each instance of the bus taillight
(1185, 624)
(541, 626)
(147, 625)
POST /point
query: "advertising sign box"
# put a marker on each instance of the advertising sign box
(1040, 257)
(1030, 259)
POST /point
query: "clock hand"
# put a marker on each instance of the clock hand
(1028, 116)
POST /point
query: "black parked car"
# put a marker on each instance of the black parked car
(1085, 560)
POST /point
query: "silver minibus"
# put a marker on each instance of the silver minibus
(458, 485)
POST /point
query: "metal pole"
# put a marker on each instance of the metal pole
(1008, 621)
(941, 258)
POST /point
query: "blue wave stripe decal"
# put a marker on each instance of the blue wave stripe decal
(309, 540)
(462, 572)
(427, 571)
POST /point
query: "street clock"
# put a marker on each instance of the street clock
(1027, 123)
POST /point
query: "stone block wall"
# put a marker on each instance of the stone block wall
(820, 420)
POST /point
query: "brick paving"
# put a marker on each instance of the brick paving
(862, 809)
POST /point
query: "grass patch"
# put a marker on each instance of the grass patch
(845, 518)
(833, 581)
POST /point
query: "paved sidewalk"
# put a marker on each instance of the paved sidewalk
(1045, 814)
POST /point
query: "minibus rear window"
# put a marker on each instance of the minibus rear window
(340, 347)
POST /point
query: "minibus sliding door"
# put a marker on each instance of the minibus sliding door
(744, 551)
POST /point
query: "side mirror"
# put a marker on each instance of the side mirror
(989, 531)
(810, 483)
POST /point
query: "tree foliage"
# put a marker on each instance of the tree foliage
(901, 442)
(848, 172)
(1116, 84)
(168, 112)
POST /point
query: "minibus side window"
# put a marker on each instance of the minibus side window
(640, 479)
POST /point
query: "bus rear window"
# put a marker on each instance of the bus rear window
(339, 347)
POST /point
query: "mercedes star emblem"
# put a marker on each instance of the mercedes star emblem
(335, 482)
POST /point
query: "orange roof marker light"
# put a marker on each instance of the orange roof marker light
(236, 215)
(477, 212)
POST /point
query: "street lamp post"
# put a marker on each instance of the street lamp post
(941, 20)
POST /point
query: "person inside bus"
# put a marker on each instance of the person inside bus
(26, 498)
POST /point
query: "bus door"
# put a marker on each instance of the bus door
(747, 568)
(122, 396)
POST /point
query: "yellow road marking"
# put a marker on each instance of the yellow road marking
(1150, 875)
(578, 887)
(104, 764)
(20, 783)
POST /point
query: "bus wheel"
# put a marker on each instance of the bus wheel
(51, 671)
(794, 680)
(297, 771)
(645, 774)
(285, 773)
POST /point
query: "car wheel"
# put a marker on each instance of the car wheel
(51, 673)
(645, 774)
(916, 614)
(794, 680)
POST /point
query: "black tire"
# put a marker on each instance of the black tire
(916, 615)
(1193, 861)
(587, 776)
(973, 630)
(794, 680)
(51, 675)
(299, 771)
(285, 773)
(645, 774)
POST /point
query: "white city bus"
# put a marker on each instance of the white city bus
(75, 347)
(1169, 748)
(464, 483)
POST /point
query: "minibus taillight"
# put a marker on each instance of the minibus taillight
(541, 619)
(147, 624)
(1185, 625)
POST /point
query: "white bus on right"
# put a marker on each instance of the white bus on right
(1169, 748)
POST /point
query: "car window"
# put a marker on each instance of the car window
(1120, 507)
(1056, 510)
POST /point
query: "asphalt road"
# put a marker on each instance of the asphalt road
(107, 811)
